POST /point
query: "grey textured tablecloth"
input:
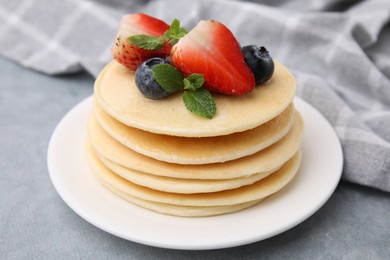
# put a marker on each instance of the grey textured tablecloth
(338, 50)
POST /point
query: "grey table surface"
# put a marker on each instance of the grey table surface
(36, 224)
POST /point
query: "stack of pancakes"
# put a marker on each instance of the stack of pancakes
(160, 156)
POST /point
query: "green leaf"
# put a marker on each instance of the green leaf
(200, 102)
(167, 35)
(175, 26)
(181, 32)
(194, 81)
(175, 32)
(168, 77)
(152, 43)
(147, 42)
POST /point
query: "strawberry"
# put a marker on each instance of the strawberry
(130, 55)
(211, 49)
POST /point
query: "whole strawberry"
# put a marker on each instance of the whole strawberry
(127, 53)
(211, 49)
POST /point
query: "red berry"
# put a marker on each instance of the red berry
(134, 24)
(211, 49)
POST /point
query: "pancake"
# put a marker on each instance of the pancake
(181, 211)
(184, 150)
(262, 161)
(178, 185)
(256, 191)
(117, 94)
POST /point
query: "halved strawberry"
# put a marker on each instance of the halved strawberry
(134, 24)
(211, 49)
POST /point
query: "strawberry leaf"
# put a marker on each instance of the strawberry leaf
(147, 42)
(193, 81)
(200, 102)
(168, 77)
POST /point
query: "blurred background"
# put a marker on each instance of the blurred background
(339, 51)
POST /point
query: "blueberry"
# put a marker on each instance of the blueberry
(259, 61)
(145, 81)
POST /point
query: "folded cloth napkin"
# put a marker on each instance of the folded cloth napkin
(338, 50)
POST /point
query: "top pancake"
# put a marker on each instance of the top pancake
(117, 94)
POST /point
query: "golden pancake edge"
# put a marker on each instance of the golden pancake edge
(265, 160)
(247, 193)
(205, 150)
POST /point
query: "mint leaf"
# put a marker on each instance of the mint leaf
(200, 102)
(147, 42)
(168, 77)
(175, 26)
(175, 32)
(193, 81)
(152, 43)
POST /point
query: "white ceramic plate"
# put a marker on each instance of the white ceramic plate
(310, 189)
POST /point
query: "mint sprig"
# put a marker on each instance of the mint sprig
(175, 32)
(197, 99)
(200, 102)
(168, 77)
(147, 42)
(193, 81)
